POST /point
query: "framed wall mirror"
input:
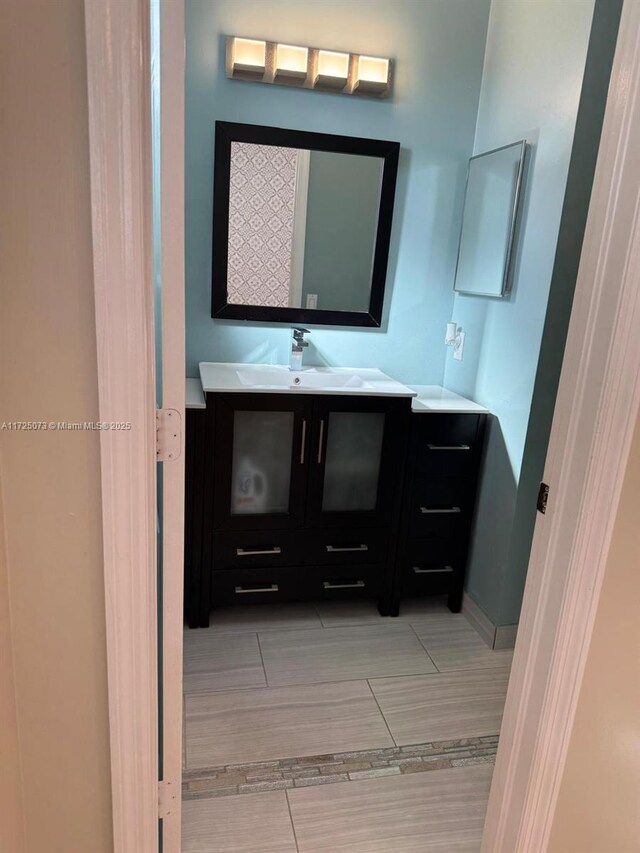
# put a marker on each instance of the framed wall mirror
(301, 225)
(489, 221)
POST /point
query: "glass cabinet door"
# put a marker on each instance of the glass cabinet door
(353, 451)
(352, 464)
(261, 462)
(260, 447)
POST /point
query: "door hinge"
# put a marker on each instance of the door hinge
(168, 435)
(543, 497)
(167, 797)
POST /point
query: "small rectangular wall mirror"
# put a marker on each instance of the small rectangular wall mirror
(301, 225)
(489, 221)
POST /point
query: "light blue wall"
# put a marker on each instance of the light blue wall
(439, 48)
(531, 84)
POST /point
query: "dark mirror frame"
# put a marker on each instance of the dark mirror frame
(228, 132)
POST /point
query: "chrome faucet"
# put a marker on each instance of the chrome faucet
(297, 348)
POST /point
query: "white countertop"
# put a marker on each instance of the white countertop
(193, 395)
(434, 398)
(278, 379)
(426, 398)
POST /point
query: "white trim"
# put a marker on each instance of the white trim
(596, 412)
(172, 60)
(495, 636)
(505, 636)
(117, 36)
(478, 619)
(299, 236)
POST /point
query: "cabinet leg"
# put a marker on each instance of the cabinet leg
(454, 601)
(387, 608)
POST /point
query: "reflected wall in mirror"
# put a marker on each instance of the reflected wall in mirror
(301, 225)
(489, 220)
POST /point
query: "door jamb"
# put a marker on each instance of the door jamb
(118, 81)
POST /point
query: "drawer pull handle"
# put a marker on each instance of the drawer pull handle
(320, 441)
(336, 549)
(448, 447)
(303, 440)
(355, 585)
(445, 570)
(426, 510)
(240, 590)
(243, 552)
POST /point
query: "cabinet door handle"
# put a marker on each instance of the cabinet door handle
(354, 585)
(335, 549)
(320, 442)
(444, 570)
(303, 440)
(240, 590)
(448, 447)
(426, 510)
(243, 552)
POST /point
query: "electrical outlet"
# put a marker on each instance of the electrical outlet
(458, 346)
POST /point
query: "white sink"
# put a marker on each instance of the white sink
(310, 378)
(278, 379)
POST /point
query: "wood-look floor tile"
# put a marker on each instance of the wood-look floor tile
(439, 811)
(341, 654)
(253, 823)
(269, 723)
(336, 614)
(221, 662)
(454, 644)
(263, 617)
(443, 706)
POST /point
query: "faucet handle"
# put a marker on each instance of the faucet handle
(298, 336)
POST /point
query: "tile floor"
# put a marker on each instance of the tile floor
(298, 717)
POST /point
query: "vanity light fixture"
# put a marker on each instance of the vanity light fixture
(308, 67)
(291, 62)
(247, 57)
(333, 70)
(372, 75)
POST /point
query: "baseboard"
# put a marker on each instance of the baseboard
(505, 636)
(478, 619)
(495, 636)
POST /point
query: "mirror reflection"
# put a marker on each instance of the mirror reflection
(489, 220)
(302, 227)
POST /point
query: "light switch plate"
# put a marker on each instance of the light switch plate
(458, 346)
(312, 300)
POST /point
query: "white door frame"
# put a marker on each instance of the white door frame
(118, 82)
(596, 410)
(172, 61)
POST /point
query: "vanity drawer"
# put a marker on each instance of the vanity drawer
(346, 547)
(258, 548)
(428, 580)
(439, 521)
(432, 552)
(447, 429)
(254, 586)
(446, 444)
(331, 582)
(430, 491)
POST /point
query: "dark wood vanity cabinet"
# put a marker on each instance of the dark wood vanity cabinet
(438, 506)
(300, 498)
(310, 497)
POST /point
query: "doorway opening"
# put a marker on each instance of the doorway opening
(269, 653)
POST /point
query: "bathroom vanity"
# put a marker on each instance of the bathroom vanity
(322, 484)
